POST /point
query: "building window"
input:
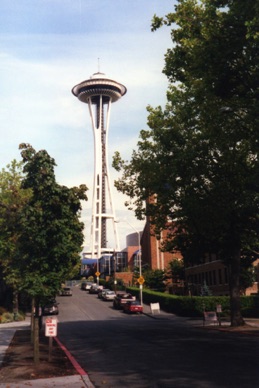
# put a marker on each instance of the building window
(226, 275)
(220, 276)
(214, 277)
(210, 278)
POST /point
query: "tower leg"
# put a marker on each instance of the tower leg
(102, 193)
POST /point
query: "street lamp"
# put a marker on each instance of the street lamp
(115, 279)
(139, 261)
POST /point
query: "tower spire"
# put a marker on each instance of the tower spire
(99, 92)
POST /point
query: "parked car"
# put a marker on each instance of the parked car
(121, 299)
(86, 285)
(95, 288)
(133, 306)
(66, 291)
(101, 292)
(109, 295)
(51, 308)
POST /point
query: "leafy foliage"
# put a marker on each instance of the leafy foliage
(12, 199)
(155, 279)
(196, 170)
(50, 236)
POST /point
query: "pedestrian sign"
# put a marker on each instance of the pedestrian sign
(141, 280)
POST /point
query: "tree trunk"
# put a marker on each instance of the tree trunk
(36, 342)
(32, 319)
(35, 333)
(235, 305)
(15, 304)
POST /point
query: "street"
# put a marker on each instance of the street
(137, 351)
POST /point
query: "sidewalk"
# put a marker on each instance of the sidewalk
(7, 331)
(76, 381)
(197, 322)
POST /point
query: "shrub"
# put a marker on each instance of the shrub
(2, 310)
(7, 317)
(20, 316)
(194, 306)
(250, 306)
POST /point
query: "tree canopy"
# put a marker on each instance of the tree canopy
(199, 159)
(41, 235)
(12, 200)
(50, 237)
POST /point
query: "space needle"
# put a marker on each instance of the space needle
(99, 92)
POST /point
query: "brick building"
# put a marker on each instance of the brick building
(215, 275)
(151, 252)
(212, 272)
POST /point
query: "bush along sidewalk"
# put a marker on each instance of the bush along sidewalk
(7, 316)
(194, 306)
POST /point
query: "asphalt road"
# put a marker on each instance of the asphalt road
(137, 351)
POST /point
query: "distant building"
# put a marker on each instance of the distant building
(215, 275)
(152, 256)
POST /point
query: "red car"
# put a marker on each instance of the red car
(133, 306)
(122, 298)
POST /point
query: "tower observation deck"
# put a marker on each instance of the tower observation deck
(99, 92)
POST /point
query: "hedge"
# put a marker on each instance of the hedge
(193, 306)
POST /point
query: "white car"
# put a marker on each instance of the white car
(88, 285)
(109, 295)
(101, 292)
(66, 291)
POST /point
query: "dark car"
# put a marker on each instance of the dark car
(121, 299)
(50, 308)
(95, 288)
(133, 306)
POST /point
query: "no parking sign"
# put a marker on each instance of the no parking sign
(51, 327)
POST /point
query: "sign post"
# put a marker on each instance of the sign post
(97, 274)
(219, 310)
(51, 326)
(141, 281)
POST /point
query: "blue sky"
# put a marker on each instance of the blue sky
(47, 47)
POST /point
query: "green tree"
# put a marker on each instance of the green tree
(51, 234)
(176, 270)
(199, 160)
(155, 279)
(12, 200)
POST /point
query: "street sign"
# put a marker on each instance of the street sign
(97, 274)
(51, 326)
(141, 280)
(219, 308)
